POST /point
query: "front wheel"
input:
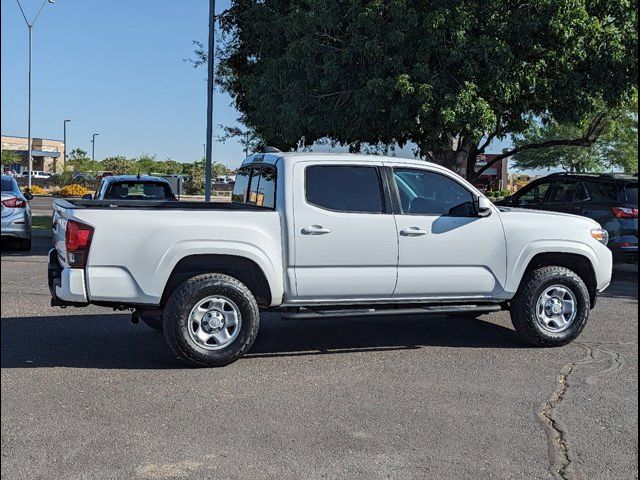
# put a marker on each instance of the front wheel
(211, 320)
(551, 307)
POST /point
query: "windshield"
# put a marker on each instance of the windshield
(139, 191)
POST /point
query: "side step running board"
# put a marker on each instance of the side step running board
(305, 314)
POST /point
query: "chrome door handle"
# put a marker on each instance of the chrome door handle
(315, 230)
(413, 232)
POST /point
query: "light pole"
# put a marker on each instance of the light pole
(64, 140)
(93, 147)
(210, 70)
(30, 28)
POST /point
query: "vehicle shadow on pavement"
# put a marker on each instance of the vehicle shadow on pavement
(40, 248)
(112, 342)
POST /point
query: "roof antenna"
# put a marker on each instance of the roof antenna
(139, 173)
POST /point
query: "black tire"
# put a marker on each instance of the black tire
(24, 244)
(523, 306)
(153, 319)
(182, 301)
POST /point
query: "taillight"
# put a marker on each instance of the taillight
(14, 203)
(77, 241)
(625, 212)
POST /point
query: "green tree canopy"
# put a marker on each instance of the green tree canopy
(119, 165)
(9, 158)
(396, 71)
(615, 147)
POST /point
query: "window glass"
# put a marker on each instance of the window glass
(605, 190)
(266, 191)
(568, 192)
(255, 186)
(534, 193)
(241, 187)
(428, 193)
(139, 191)
(345, 188)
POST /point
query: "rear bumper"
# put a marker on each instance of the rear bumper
(17, 226)
(66, 285)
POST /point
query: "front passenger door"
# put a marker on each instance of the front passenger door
(447, 251)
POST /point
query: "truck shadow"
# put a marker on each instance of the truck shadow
(111, 342)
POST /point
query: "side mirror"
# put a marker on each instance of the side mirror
(87, 196)
(28, 196)
(484, 207)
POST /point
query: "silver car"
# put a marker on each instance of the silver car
(16, 213)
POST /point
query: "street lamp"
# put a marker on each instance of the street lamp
(30, 28)
(93, 146)
(210, 85)
(64, 140)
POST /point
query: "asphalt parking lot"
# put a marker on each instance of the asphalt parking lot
(86, 394)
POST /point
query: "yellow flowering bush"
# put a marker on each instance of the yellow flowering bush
(73, 190)
(36, 190)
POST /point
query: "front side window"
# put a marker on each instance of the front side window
(534, 193)
(255, 186)
(340, 188)
(428, 193)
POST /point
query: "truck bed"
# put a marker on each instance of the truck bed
(153, 205)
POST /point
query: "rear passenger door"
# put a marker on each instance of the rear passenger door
(346, 246)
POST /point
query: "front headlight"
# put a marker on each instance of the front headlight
(601, 235)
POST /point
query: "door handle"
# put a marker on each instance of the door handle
(413, 232)
(315, 230)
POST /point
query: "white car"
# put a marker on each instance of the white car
(319, 235)
(36, 174)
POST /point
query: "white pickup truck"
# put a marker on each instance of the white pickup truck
(319, 235)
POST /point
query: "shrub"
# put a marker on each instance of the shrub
(35, 190)
(505, 192)
(73, 190)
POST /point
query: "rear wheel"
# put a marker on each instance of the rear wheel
(211, 320)
(551, 308)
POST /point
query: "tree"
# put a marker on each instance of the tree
(119, 165)
(396, 71)
(9, 158)
(616, 146)
(248, 138)
(80, 162)
(146, 164)
(171, 167)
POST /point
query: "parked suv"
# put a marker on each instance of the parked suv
(609, 199)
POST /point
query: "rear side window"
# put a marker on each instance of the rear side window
(255, 186)
(568, 192)
(345, 188)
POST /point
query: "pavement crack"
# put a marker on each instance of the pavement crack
(559, 450)
(560, 455)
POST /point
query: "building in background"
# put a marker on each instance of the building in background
(48, 155)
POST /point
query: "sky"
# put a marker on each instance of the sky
(115, 68)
